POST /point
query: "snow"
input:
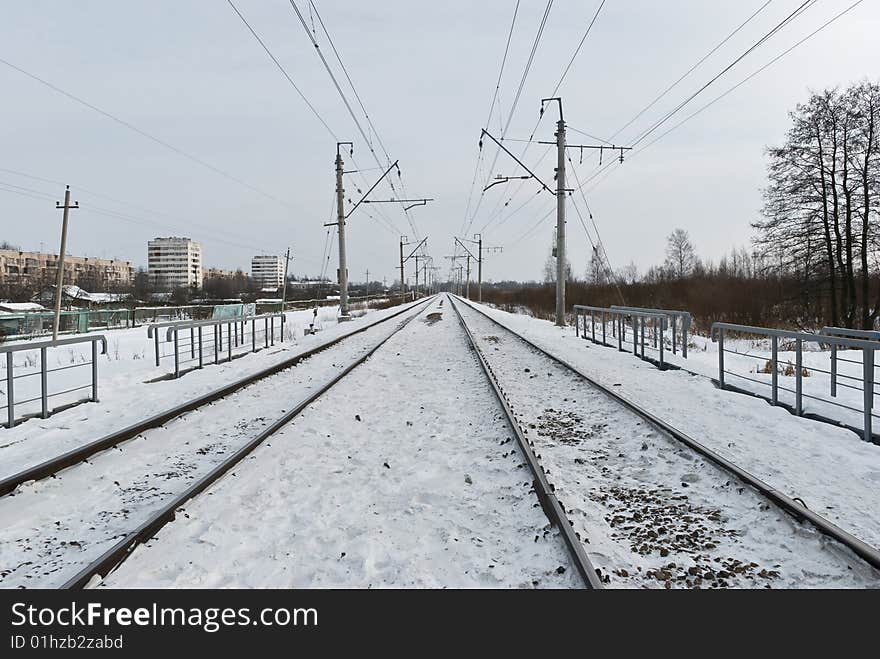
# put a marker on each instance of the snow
(127, 388)
(73, 518)
(402, 475)
(655, 513)
(830, 468)
(20, 307)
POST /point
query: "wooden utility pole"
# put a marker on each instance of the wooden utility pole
(59, 285)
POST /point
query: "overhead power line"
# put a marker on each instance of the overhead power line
(143, 133)
(776, 28)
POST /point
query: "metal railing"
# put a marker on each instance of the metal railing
(639, 320)
(869, 335)
(43, 347)
(677, 319)
(213, 341)
(836, 338)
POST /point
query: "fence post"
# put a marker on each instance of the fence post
(272, 324)
(603, 328)
(216, 347)
(192, 343)
(253, 335)
(10, 392)
(798, 381)
(282, 326)
(721, 357)
(176, 355)
(201, 356)
(642, 341)
(229, 340)
(868, 377)
(156, 340)
(94, 371)
(674, 338)
(659, 321)
(685, 325)
(619, 333)
(44, 383)
(577, 323)
(593, 325)
(774, 364)
(266, 331)
(834, 370)
(635, 323)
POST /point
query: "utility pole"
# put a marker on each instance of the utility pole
(60, 280)
(284, 285)
(560, 213)
(368, 282)
(402, 279)
(342, 275)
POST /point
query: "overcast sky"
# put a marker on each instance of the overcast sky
(190, 74)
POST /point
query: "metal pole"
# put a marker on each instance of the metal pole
(560, 220)
(479, 268)
(868, 384)
(201, 356)
(798, 381)
(94, 371)
(44, 384)
(176, 355)
(340, 218)
(721, 357)
(60, 278)
(774, 361)
(10, 392)
(467, 289)
(402, 277)
(834, 370)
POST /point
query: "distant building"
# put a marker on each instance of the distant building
(38, 269)
(175, 263)
(218, 273)
(268, 271)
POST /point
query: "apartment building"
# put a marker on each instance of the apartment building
(41, 269)
(217, 273)
(174, 263)
(268, 271)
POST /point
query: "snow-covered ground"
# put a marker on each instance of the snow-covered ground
(833, 470)
(403, 475)
(51, 528)
(653, 512)
(128, 393)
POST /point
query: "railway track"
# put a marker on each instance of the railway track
(93, 502)
(405, 488)
(79, 454)
(653, 506)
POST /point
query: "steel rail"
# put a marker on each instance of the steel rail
(801, 513)
(552, 508)
(77, 455)
(111, 558)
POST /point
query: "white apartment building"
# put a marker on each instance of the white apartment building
(174, 262)
(268, 271)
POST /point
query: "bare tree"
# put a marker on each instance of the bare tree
(680, 254)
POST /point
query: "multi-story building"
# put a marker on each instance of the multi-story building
(174, 263)
(217, 273)
(40, 270)
(268, 271)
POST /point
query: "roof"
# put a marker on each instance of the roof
(18, 307)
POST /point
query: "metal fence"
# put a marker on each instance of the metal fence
(192, 344)
(836, 338)
(639, 322)
(76, 321)
(677, 320)
(13, 380)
